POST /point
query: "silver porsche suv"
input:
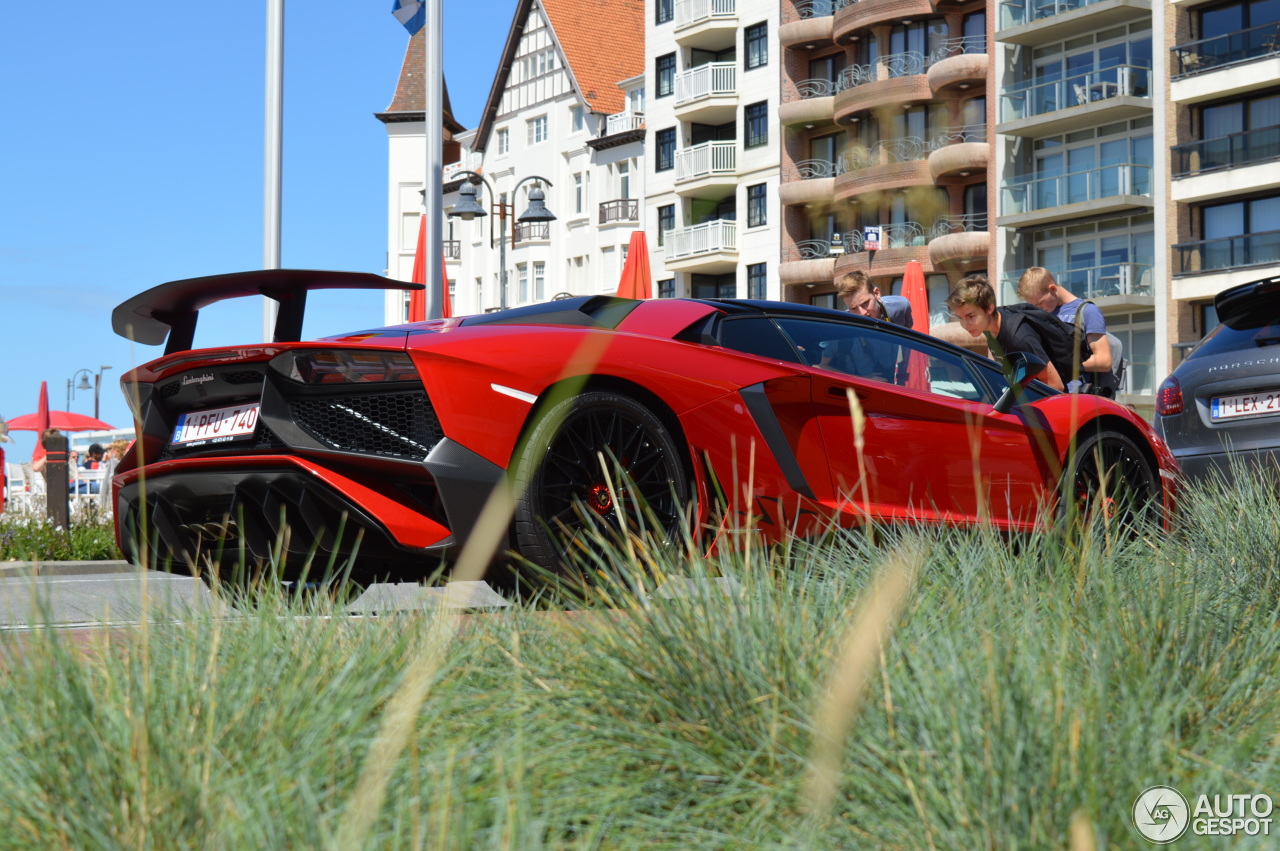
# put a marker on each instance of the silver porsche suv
(1223, 401)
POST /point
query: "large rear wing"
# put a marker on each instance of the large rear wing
(170, 310)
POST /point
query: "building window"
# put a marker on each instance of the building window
(665, 71)
(757, 280)
(539, 280)
(666, 144)
(577, 116)
(667, 288)
(522, 275)
(537, 129)
(504, 141)
(624, 179)
(756, 40)
(666, 221)
(579, 194)
(663, 11)
(755, 117)
(756, 206)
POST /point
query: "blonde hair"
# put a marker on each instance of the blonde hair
(1034, 283)
(853, 283)
(119, 446)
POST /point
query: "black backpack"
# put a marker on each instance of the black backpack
(1065, 344)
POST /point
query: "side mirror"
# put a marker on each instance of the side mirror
(1020, 370)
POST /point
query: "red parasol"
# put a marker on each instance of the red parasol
(446, 303)
(40, 421)
(61, 420)
(913, 289)
(636, 282)
(418, 298)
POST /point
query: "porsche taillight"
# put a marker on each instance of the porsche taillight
(1169, 397)
(343, 366)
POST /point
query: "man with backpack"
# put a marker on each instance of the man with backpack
(1016, 328)
(1038, 287)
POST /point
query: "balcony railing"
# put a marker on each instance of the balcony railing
(957, 46)
(452, 249)
(708, 238)
(1215, 52)
(965, 223)
(707, 159)
(815, 249)
(690, 12)
(622, 122)
(1014, 13)
(818, 169)
(958, 135)
(532, 230)
(621, 210)
(1250, 146)
(884, 68)
(1076, 90)
(896, 235)
(817, 88)
(820, 8)
(1041, 193)
(1110, 279)
(710, 80)
(908, 149)
(1252, 249)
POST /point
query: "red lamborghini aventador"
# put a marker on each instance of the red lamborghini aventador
(393, 438)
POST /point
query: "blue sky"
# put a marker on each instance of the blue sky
(131, 153)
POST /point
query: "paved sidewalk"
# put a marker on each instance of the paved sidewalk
(63, 568)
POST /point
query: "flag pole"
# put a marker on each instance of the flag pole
(433, 130)
(271, 175)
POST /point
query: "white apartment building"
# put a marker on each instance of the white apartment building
(712, 208)
(564, 109)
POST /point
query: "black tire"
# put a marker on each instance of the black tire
(1132, 492)
(563, 495)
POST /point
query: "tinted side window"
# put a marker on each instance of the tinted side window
(756, 335)
(881, 355)
(1035, 391)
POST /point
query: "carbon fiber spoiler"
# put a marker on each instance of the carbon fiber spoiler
(170, 310)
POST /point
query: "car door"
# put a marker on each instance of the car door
(933, 449)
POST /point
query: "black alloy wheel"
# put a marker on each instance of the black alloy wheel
(598, 465)
(1111, 479)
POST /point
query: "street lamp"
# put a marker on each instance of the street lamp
(84, 374)
(468, 208)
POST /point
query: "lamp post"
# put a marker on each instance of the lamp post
(84, 374)
(468, 208)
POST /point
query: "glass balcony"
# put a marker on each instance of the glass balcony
(1026, 195)
(622, 122)
(1091, 87)
(1015, 13)
(707, 159)
(1215, 52)
(1252, 249)
(1111, 279)
(707, 238)
(1251, 146)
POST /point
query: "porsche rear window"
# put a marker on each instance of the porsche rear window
(1243, 334)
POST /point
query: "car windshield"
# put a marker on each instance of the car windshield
(1244, 333)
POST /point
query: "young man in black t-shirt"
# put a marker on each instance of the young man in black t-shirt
(974, 303)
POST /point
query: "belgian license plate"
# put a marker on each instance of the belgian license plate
(1244, 405)
(216, 426)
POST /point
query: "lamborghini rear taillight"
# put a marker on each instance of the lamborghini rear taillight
(344, 367)
(1169, 397)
